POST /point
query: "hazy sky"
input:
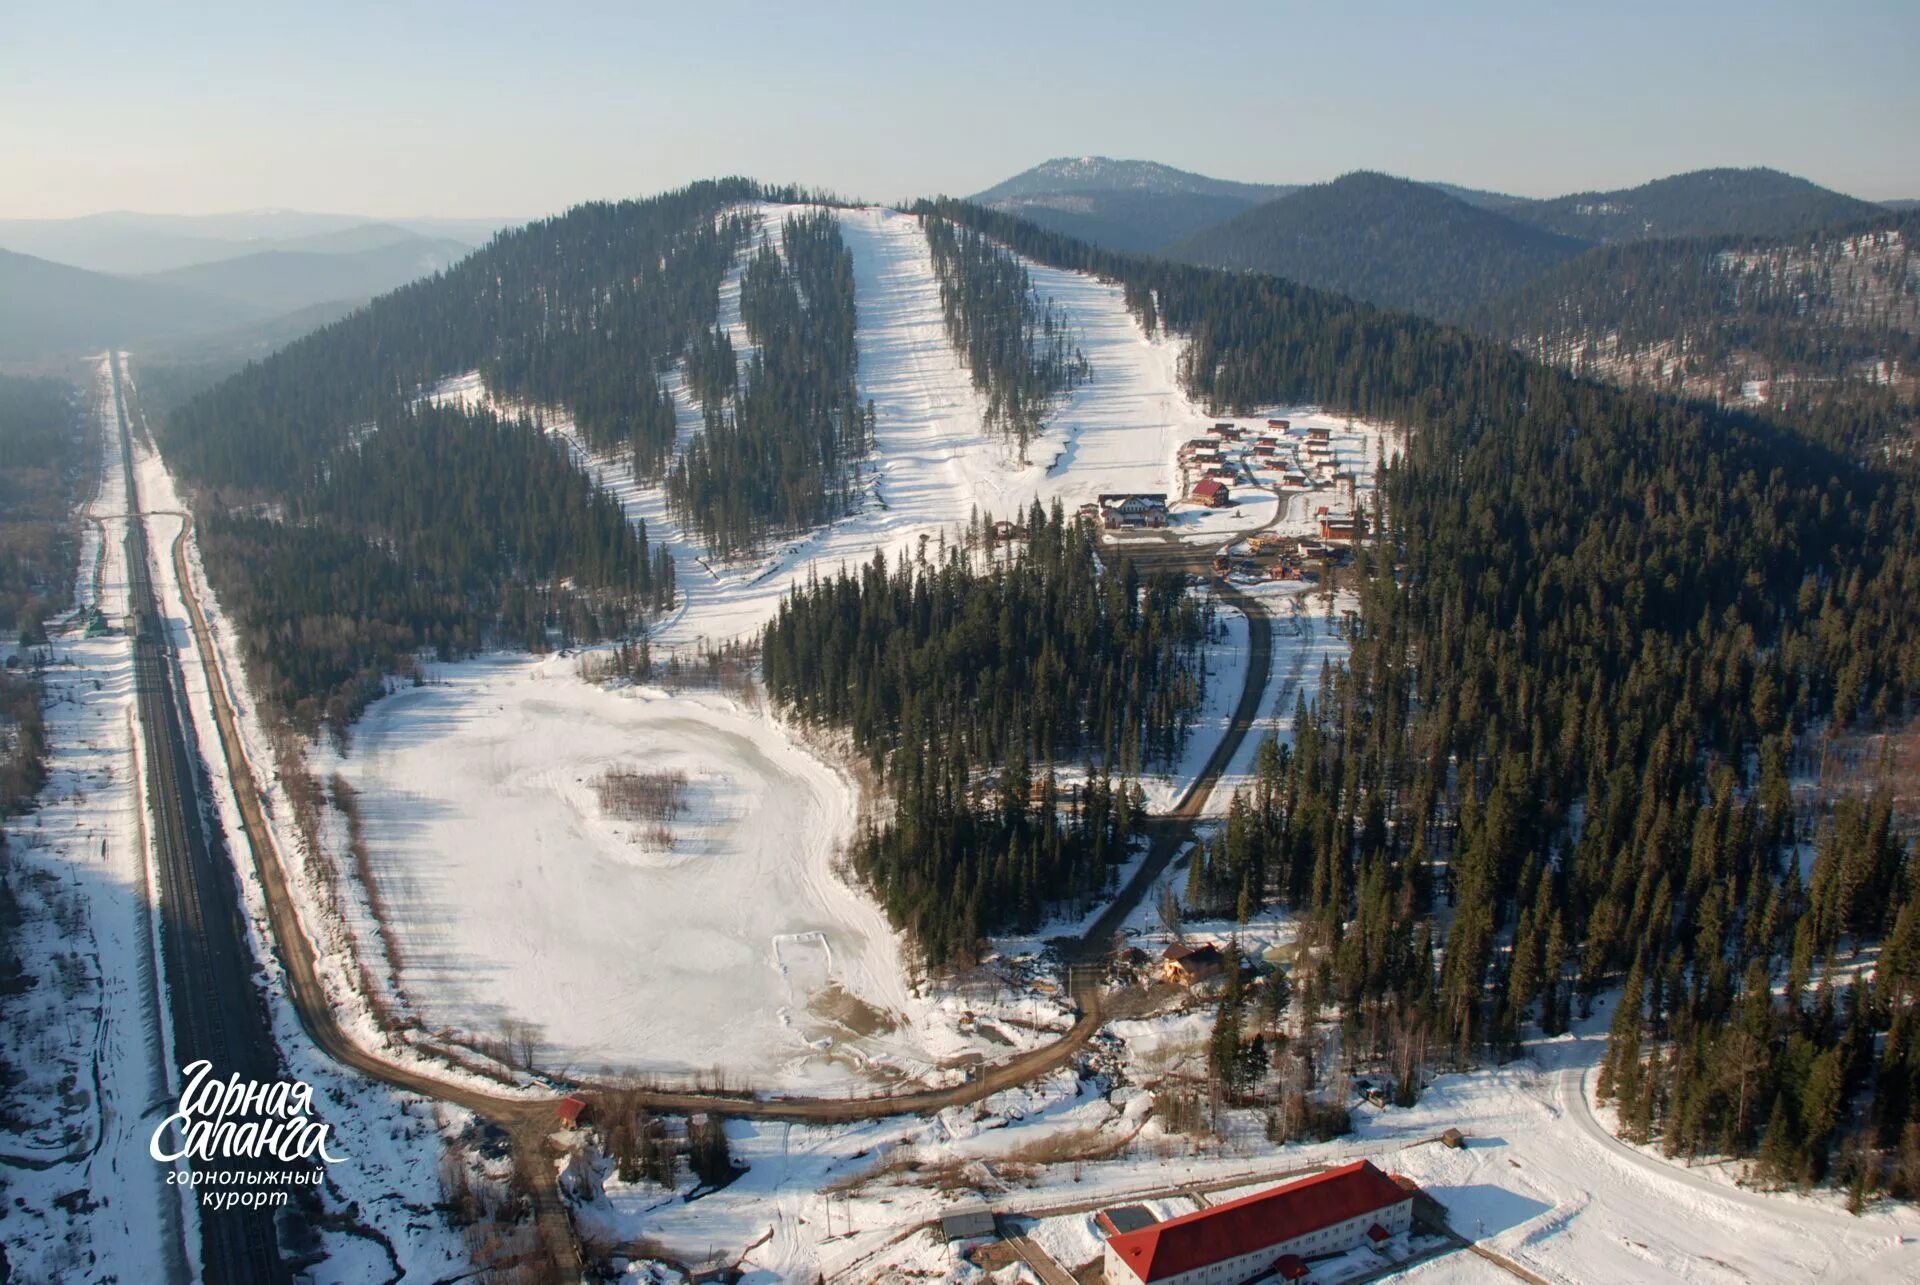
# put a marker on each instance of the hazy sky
(400, 108)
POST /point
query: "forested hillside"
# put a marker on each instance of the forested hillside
(1717, 316)
(1751, 202)
(1386, 240)
(39, 466)
(966, 680)
(1017, 345)
(338, 517)
(780, 439)
(1596, 625)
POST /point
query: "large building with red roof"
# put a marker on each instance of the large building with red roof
(1250, 1237)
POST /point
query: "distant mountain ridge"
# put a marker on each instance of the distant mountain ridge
(281, 280)
(1390, 241)
(50, 309)
(1123, 205)
(1149, 207)
(226, 277)
(1106, 174)
(129, 242)
(1753, 202)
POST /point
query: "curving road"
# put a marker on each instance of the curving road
(530, 1120)
(1171, 831)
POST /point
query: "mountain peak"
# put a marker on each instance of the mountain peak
(1081, 174)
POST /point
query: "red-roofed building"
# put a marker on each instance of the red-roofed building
(1211, 492)
(1257, 1235)
(570, 1111)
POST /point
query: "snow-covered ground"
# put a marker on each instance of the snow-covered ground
(86, 1201)
(1540, 1182)
(517, 899)
(481, 867)
(738, 947)
(1544, 1182)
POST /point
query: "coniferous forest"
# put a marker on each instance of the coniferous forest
(39, 468)
(1824, 321)
(1597, 624)
(1018, 348)
(965, 679)
(338, 508)
(1597, 628)
(779, 442)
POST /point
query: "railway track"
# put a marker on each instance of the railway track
(216, 1012)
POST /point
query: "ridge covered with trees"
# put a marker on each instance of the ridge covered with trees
(1386, 240)
(1813, 317)
(1596, 625)
(338, 510)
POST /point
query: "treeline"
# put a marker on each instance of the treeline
(963, 680)
(626, 304)
(23, 743)
(39, 467)
(1597, 624)
(1019, 349)
(778, 445)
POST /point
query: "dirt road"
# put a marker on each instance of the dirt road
(530, 1120)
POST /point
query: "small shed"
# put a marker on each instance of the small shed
(571, 1111)
(1186, 964)
(1455, 1139)
(969, 1221)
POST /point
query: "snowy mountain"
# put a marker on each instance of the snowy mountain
(1105, 174)
(1121, 204)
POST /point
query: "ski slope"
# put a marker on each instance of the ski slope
(482, 867)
